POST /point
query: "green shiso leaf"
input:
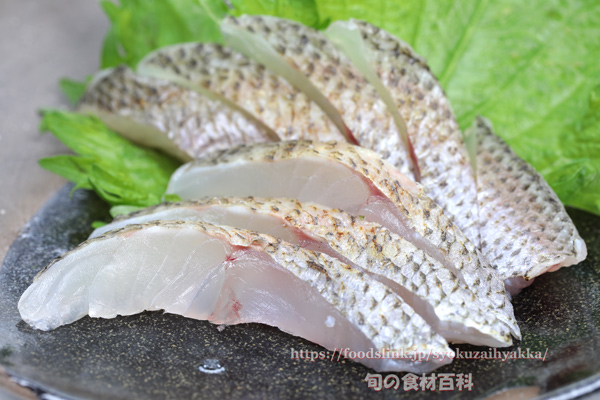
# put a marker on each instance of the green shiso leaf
(304, 11)
(140, 26)
(574, 169)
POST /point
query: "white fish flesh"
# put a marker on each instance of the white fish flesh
(230, 276)
(309, 61)
(244, 84)
(351, 178)
(404, 81)
(160, 114)
(525, 228)
(444, 302)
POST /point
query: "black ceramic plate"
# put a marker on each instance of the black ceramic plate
(156, 355)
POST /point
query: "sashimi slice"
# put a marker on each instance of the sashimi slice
(309, 61)
(413, 94)
(159, 114)
(525, 228)
(229, 276)
(221, 72)
(354, 179)
(436, 294)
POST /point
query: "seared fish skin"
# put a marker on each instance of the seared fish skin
(525, 228)
(317, 60)
(413, 90)
(447, 304)
(159, 114)
(229, 276)
(245, 83)
(354, 179)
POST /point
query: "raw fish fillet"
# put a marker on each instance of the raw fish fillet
(218, 71)
(526, 230)
(405, 83)
(229, 276)
(309, 61)
(354, 179)
(159, 114)
(444, 302)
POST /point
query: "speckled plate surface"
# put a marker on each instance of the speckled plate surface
(156, 355)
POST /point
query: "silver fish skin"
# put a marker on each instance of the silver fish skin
(444, 302)
(405, 80)
(159, 114)
(227, 276)
(217, 70)
(354, 179)
(318, 68)
(525, 228)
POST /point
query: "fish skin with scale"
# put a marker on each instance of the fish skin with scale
(525, 228)
(322, 66)
(546, 237)
(223, 274)
(447, 304)
(412, 89)
(352, 178)
(219, 70)
(160, 114)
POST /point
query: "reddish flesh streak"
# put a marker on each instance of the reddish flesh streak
(413, 158)
(236, 306)
(350, 136)
(230, 258)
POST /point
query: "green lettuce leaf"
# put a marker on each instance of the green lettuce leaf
(140, 26)
(73, 90)
(72, 168)
(122, 173)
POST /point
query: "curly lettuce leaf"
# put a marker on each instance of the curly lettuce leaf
(122, 173)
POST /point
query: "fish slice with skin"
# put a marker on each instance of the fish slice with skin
(351, 178)
(309, 61)
(526, 230)
(160, 114)
(404, 81)
(436, 294)
(221, 72)
(229, 276)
